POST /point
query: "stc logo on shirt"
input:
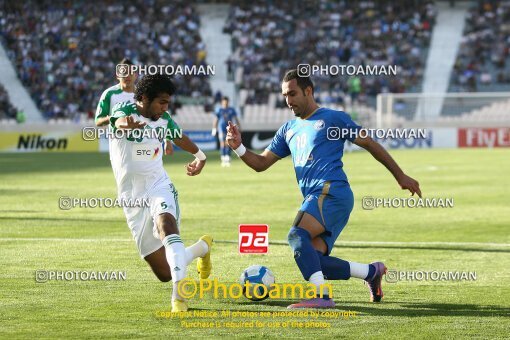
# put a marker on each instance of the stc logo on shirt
(155, 153)
(145, 153)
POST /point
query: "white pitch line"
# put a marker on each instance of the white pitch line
(481, 244)
(278, 242)
(64, 239)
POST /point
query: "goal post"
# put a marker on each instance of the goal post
(395, 110)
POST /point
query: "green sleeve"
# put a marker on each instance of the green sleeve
(103, 107)
(172, 127)
(116, 115)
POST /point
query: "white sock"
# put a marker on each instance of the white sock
(176, 257)
(317, 279)
(359, 270)
(198, 249)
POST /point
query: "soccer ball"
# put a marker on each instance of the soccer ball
(260, 279)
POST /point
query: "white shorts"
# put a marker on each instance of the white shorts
(142, 221)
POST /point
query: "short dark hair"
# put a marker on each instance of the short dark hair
(126, 61)
(154, 84)
(225, 98)
(303, 82)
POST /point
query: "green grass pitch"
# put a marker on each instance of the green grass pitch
(472, 236)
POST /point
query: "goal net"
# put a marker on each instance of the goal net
(490, 109)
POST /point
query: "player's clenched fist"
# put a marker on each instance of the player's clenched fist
(233, 136)
(195, 167)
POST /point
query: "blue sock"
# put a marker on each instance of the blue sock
(223, 151)
(305, 255)
(334, 268)
(371, 272)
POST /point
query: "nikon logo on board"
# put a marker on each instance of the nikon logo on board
(38, 142)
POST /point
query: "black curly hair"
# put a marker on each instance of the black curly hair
(302, 81)
(153, 85)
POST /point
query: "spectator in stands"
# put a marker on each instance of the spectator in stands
(217, 97)
(269, 37)
(354, 84)
(20, 117)
(481, 61)
(64, 51)
(7, 110)
(485, 78)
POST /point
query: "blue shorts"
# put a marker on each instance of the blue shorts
(222, 133)
(331, 206)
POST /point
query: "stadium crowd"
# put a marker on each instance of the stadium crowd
(269, 37)
(7, 110)
(65, 51)
(482, 62)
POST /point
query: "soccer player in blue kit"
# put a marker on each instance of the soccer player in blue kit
(224, 114)
(315, 139)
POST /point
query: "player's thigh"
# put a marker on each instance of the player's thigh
(307, 221)
(314, 227)
(164, 208)
(326, 213)
(159, 265)
(141, 224)
(319, 244)
(336, 210)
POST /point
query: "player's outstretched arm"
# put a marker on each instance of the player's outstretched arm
(259, 162)
(214, 127)
(195, 167)
(128, 123)
(103, 121)
(379, 153)
(169, 149)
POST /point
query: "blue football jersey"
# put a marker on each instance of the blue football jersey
(225, 115)
(316, 145)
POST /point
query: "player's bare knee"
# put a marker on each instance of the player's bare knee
(310, 224)
(164, 277)
(319, 244)
(294, 238)
(166, 225)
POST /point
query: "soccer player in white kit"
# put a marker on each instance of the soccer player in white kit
(124, 91)
(137, 164)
